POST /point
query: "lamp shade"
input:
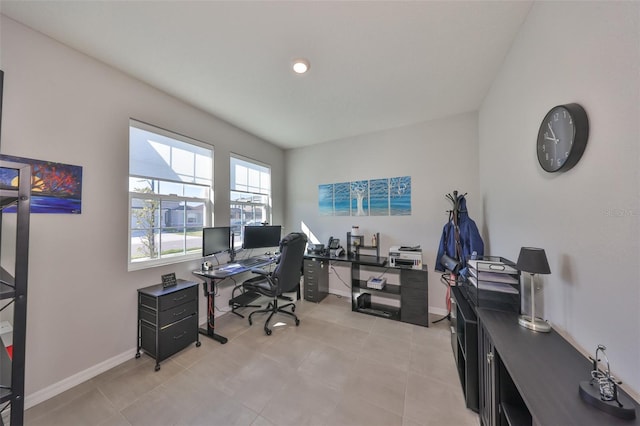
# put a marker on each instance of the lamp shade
(533, 260)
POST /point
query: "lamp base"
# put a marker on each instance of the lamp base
(535, 324)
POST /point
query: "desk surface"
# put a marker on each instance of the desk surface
(360, 260)
(231, 268)
(547, 371)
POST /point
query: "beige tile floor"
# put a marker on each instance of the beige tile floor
(337, 368)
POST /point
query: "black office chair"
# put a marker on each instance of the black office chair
(284, 278)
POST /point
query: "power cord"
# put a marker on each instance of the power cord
(338, 275)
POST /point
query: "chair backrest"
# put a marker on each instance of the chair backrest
(287, 273)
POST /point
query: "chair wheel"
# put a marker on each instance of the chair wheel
(250, 322)
(198, 344)
(157, 368)
(293, 308)
(266, 330)
(297, 322)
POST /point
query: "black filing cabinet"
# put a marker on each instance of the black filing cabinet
(414, 296)
(167, 319)
(316, 279)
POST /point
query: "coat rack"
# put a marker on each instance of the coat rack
(451, 259)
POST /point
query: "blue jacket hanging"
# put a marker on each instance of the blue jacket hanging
(470, 239)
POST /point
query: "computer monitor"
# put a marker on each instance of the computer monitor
(261, 236)
(216, 240)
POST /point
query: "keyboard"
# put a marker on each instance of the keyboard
(252, 261)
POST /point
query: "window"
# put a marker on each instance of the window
(170, 187)
(250, 195)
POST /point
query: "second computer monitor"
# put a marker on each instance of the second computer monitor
(261, 236)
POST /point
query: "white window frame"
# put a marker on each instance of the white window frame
(261, 191)
(207, 202)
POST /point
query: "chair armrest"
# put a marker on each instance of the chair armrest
(260, 271)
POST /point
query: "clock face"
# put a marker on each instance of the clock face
(562, 137)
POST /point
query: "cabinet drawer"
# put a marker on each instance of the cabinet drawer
(178, 336)
(308, 272)
(177, 313)
(171, 300)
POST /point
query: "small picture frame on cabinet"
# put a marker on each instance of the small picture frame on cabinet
(169, 280)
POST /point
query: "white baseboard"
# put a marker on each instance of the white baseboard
(437, 311)
(71, 381)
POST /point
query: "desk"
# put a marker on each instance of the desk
(220, 273)
(362, 259)
(316, 272)
(411, 293)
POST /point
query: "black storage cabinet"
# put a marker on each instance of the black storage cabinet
(316, 279)
(167, 319)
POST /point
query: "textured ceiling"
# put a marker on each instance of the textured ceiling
(375, 65)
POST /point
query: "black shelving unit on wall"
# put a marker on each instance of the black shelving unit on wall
(13, 293)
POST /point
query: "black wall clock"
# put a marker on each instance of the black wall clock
(562, 137)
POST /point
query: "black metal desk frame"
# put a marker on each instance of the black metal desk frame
(210, 279)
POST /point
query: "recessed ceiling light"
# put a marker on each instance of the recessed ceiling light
(301, 66)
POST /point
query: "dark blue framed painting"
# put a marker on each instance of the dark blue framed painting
(55, 187)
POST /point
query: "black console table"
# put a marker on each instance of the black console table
(529, 378)
(464, 342)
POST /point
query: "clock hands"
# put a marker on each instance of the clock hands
(555, 139)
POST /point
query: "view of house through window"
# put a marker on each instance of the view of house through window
(170, 186)
(250, 195)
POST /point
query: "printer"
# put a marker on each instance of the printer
(405, 257)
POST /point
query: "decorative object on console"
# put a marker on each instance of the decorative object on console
(562, 137)
(533, 261)
(602, 390)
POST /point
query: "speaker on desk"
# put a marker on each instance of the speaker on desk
(364, 301)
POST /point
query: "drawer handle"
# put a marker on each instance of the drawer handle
(180, 298)
(180, 336)
(179, 313)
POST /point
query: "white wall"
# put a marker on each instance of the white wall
(60, 105)
(587, 218)
(440, 156)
